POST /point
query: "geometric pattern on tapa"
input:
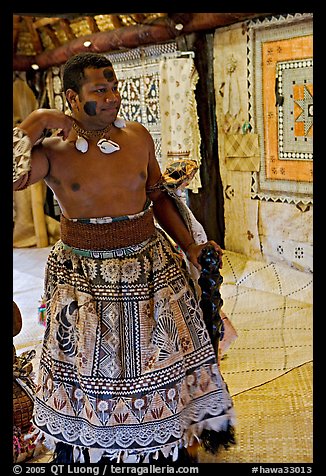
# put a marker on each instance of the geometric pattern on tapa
(280, 59)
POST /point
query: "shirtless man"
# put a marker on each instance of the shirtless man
(92, 184)
(118, 300)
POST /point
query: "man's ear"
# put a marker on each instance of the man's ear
(71, 97)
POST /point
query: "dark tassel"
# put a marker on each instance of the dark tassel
(212, 440)
(86, 456)
(63, 453)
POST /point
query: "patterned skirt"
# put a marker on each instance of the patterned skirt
(127, 366)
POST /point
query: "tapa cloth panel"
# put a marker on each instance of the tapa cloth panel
(280, 79)
(127, 364)
(179, 119)
(242, 152)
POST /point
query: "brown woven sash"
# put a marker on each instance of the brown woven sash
(107, 236)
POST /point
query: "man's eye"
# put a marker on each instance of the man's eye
(101, 90)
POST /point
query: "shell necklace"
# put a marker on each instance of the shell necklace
(107, 146)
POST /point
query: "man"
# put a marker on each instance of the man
(127, 368)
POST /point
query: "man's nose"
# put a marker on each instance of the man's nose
(110, 97)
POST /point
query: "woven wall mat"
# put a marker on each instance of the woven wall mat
(274, 422)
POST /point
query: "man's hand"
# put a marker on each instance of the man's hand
(41, 119)
(194, 250)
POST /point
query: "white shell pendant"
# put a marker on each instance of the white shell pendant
(81, 144)
(120, 122)
(107, 146)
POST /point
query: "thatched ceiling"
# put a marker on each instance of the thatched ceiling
(34, 33)
(51, 39)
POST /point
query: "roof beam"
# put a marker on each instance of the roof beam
(160, 30)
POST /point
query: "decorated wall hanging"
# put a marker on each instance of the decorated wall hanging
(280, 78)
(179, 119)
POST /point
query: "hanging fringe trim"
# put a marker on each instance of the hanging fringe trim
(210, 440)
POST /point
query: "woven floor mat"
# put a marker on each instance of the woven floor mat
(274, 335)
(274, 422)
(270, 306)
(275, 278)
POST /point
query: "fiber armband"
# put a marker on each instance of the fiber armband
(157, 186)
(22, 147)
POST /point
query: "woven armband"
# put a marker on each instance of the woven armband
(159, 185)
(21, 153)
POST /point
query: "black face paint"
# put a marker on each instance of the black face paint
(90, 108)
(108, 74)
(75, 187)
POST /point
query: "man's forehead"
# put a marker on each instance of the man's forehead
(94, 74)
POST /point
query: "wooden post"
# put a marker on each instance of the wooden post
(208, 204)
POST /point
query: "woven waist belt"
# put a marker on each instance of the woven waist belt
(107, 236)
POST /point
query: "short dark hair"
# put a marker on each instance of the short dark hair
(73, 70)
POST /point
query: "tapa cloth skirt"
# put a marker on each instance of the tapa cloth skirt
(127, 366)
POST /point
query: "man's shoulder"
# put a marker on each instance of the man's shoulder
(136, 126)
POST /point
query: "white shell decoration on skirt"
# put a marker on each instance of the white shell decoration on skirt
(107, 146)
(81, 144)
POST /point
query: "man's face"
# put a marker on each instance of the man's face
(99, 95)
